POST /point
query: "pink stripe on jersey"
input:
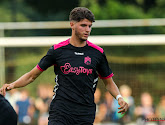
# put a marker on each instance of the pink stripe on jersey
(39, 68)
(107, 76)
(64, 43)
(95, 46)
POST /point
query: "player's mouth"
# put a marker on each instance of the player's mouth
(86, 35)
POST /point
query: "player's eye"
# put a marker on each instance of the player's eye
(83, 25)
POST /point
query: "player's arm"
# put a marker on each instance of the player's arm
(113, 89)
(22, 81)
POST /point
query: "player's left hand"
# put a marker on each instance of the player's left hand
(123, 106)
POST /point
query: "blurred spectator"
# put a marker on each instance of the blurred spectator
(13, 96)
(32, 112)
(45, 92)
(101, 109)
(108, 100)
(116, 117)
(161, 110)
(43, 111)
(22, 108)
(146, 109)
(42, 103)
(126, 92)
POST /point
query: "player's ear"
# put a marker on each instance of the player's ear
(72, 23)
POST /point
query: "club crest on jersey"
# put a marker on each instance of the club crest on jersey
(87, 60)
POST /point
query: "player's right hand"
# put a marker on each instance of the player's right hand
(6, 87)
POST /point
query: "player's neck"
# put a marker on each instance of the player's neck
(77, 42)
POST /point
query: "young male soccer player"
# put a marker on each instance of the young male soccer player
(77, 64)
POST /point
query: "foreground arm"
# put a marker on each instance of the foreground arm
(22, 81)
(113, 89)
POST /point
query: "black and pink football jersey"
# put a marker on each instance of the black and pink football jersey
(77, 70)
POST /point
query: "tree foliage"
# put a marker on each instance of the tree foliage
(52, 9)
(11, 12)
(112, 9)
(40, 10)
(158, 10)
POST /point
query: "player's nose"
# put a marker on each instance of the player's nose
(88, 29)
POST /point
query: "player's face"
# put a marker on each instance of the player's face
(82, 29)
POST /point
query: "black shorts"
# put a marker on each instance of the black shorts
(8, 115)
(63, 112)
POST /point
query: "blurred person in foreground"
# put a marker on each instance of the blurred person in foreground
(8, 115)
(76, 64)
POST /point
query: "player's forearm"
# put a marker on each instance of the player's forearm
(112, 87)
(23, 80)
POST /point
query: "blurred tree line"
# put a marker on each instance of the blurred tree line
(25, 59)
(52, 10)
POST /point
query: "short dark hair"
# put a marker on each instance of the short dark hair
(79, 13)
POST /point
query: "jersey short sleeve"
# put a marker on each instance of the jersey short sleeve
(47, 60)
(103, 68)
